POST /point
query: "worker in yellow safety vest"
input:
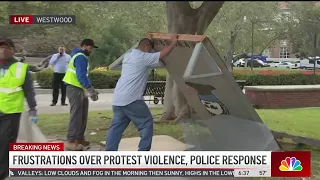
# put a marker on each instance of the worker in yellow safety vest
(79, 89)
(16, 84)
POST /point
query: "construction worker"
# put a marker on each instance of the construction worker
(128, 102)
(79, 89)
(16, 84)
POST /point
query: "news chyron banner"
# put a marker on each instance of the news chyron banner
(42, 19)
(50, 160)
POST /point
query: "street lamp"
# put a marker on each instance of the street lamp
(253, 23)
(252, 28)
(316, 44)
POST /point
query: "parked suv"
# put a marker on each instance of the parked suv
(257, 63)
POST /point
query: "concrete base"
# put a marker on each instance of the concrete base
(159, 143)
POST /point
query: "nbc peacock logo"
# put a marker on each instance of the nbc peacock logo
(290, 164)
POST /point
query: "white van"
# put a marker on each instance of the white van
(309, 63)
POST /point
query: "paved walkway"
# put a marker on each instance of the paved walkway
(104, 102)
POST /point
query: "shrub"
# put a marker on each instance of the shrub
(33, 76)
(102, 79)
(44, 78)
(282, 79)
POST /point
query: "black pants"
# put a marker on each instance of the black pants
(9, 127)
(79, 107)
(57, 84)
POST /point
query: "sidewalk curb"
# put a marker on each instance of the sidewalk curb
(49, 91)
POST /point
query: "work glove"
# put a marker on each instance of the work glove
(33, 116)
(92, 93)
(94, 97)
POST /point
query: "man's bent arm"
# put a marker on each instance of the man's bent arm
(28, 89)
(53, 59)
(81, 65)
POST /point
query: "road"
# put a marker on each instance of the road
(104, 103)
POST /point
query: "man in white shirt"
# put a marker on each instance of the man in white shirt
(60, 62)
(128, 101)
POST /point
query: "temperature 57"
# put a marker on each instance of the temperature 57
(262, 173)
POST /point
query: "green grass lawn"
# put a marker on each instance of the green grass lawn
(302, 122)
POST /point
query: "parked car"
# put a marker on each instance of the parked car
(257, 63)
(240, 63)
(275, 64)
(309, 63)
(287, 65)
(297, 64)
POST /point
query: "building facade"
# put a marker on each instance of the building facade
(281, 49)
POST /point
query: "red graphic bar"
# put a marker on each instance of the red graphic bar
(21, 19)
(36, 147)
(291, 164)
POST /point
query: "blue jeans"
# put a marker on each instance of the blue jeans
(137, 112)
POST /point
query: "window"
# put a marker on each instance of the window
(283, 43)
(284, 52)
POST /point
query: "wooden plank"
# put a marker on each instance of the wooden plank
(182, 37)
(297, 139)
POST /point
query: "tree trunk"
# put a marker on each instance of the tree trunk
(183, 19)
(230, 51)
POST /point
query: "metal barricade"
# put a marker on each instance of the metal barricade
(155, 89)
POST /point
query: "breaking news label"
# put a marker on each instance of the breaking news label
(50, 160)
(42, 19)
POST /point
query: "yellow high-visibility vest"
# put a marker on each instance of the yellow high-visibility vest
(71, 76)
(11, 93)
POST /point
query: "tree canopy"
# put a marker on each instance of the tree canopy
(231, 29)
(304, 23)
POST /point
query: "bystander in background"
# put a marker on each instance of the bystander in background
(60, 62)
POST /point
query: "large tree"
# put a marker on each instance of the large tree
(45, 38)
(185, 18)
(303, 23)
(50, 35)
(232, 29)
